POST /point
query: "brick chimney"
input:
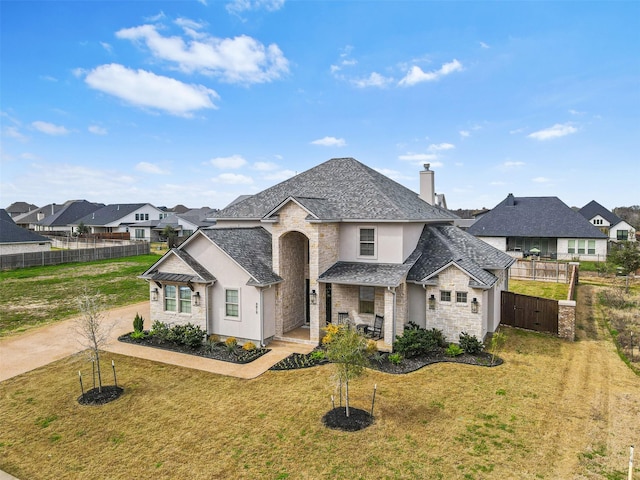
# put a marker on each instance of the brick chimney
(427, 185)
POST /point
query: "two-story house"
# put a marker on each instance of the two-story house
(122, 218)
(338, 239)
(608, 222)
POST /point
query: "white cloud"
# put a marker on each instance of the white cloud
(236, 7)
(146, 89)
(330, 142)
(418, 157)
(557, 131)
(79, 72)
(497, 184)
(49, 78)
(484, 45)
(232, 162)
(265, 166)
(147, 167)
(512, 164)
(14, 132)
(49, 128)
(97, 130)
(436, 147)
(373, 80)
(107, 46)
(576, 112)
(417, 75)
(233, 179)
(464, 133)
(240, 59)
(541, 180)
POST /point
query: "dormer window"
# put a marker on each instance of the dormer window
(367, 246)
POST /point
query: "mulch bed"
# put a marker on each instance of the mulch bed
(215, 352)
(382, 363)
(94, 396)
(337, 419)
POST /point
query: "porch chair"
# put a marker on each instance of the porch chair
(343, 319)
(375, 331)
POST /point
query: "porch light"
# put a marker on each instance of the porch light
(196, 299)
(474, 305)
(432, 302)
(154, 294)
(313, 297)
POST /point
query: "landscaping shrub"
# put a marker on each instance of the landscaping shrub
(396, 358)
(331, 332)
(160, 330)
(249, 346)
(190, 335)
(470, 343)
(137, 334)
(453, 350)
(416, 342)
(138, 323)
(231, 343)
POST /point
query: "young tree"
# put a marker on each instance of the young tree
(92, 328)
(626, 256)
(348, 351)
(170, 234)
(82, 228)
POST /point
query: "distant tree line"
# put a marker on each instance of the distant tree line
(631, 215)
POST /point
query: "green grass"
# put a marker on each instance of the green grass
(555, 291)
(39, 295)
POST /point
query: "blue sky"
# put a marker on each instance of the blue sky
(199, 102)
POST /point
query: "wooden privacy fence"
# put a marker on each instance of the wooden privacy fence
(532, 313)
(540, 270)
(56, 257)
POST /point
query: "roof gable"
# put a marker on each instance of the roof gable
(70, 213)
(534, 217)
(12, 233)
(110, 213)
(340, 188)
(593, 209)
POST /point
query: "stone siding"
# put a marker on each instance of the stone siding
(567, 319)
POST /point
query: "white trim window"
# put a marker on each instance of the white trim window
(185, 299)
(232, 303)
(367, 242)
(139, 233)
(461, 297)
(445, 295)
(170, 298)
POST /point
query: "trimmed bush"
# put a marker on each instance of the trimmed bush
(453, 350)
(470, 343)
(249, 346)
(160, 330)
(415, 342)
(138, 323)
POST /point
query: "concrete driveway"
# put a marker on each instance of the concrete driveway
(38, 347)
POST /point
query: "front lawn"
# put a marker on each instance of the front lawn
(38, 295)
(575, 415)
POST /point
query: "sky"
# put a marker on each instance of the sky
(198, 102)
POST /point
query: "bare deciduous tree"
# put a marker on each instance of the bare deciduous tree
(92, 328)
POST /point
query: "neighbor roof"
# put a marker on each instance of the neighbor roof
(70, 212)
(12, 233)
(593, 209)
(110, 213)
(533, 217)
(18, 208)
(340, 189)
(32, 216)
(250, 248)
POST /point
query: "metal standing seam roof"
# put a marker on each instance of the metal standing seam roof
(201, 274)
(341, 188)
(546, 217)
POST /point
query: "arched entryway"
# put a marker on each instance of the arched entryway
(294, 270)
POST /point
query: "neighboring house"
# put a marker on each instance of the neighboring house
(338, 238)
(66, 216)
(19, 208)
(123, 217)
(30, 220)
(540, 226)
(15, 239)
(608, 222)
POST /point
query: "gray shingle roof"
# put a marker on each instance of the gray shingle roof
(31, 217)
(110, 213)
(202, 275)
(593, 209)
(250, 248)
(70, 212)
(12, 233)
(341, 189)
(444, 245)
(545, 217)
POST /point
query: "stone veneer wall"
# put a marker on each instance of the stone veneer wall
(567, 308)
(452, 317)
(323, 252)
(293, 250)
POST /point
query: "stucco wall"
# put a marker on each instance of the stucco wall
(13, 248)
(599, 255)
(394, 241)
(497, 242)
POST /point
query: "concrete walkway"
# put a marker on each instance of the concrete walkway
(38, 347)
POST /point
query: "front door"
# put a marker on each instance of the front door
(328, 304)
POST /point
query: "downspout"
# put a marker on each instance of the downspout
(261, 317)
(393, 315)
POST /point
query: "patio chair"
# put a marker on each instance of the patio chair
(343, 319)
(375, 331)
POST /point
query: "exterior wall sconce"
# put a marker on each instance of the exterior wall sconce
(474, 305)
(196, 299)
(154, 294)
(313, 297)
(432, 302)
